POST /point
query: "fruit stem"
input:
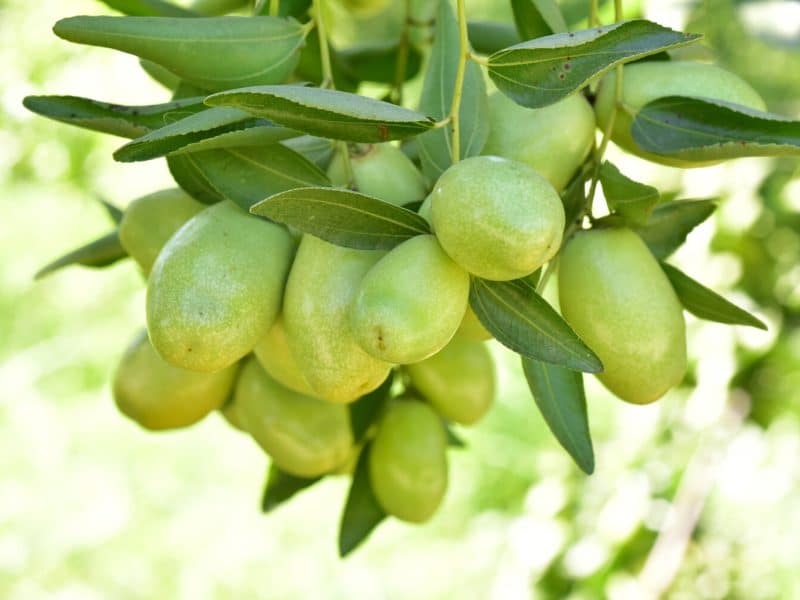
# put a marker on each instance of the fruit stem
(344, 149)
(274, 7)
(593, 13)
(459, 84)
(402, 58)
(324, 50)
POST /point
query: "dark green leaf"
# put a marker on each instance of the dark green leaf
(437, 95)
(309, 69)
(286, 8)
(574, 197)
(362, 513)
(705, 303)
(628, 198)
(160, 74)
(452, 439)
(281, 486)
(540, 72)
(113, 211)
(535, 18)
(699, 129)
(561, 399)
(671, 222)
(326, 113)
(101, 252)
(343, 217)
(378, 63)
(366, 409)
(487, 37)
(187, 174)
(116, 119)
(148, 8)
(519, 318)
(317, 150)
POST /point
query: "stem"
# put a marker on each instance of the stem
(274, 7)
(459, 84)
(402, 58)
(324, 50)
(344, 150)
(593, 20)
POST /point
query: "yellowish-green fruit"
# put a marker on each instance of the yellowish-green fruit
(408, 461)
(471, 327)
(644, 82)
(216, 287)
(425, 210)
(382, 171)
(321, 287)
(151, 220)
(553, 140)
(276, 358)
(617, 299)
(231, 415)
(497, 218)
(366, 8)
(158, 395)
(410, 304)
(458, 381)
(304, 436)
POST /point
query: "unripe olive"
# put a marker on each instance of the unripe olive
(458, 381)
(276, 358)
(365, 8)
(617, 299)
(408, 461)
(425, 210)
(497, 218)
(410, 304)
(553, 140)
(382, 171)
(231, 415)
(149, 222)
(471, 327)
(304, 436)
(321, 286)
(158, 395)
(216, 287)
(644, 82)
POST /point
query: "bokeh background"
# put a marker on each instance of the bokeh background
(697, 496)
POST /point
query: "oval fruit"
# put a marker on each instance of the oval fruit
(410, 304)
(648, 81)
(321, 287)
(553, 140)
(617, 299)
(304, 436)
(381, 171)
(275, 356)
(408, 461)
(497, 218)
(471, 327)
(458, 381)
(216, 287)
(158, 395)
(149, 222)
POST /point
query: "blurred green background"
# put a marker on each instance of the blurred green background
(697, 496)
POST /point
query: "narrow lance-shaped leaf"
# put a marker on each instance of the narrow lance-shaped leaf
(671, 222)
(519, 318)
(453, 440)
(214, 53)
(542, 71)
(535, 18)
(343, 217)
(101, 252)
(628, 198)
(561, 399)
(435, 147)
(699, 129)
(362, 513)
(705, 303)
(116, 119)
(365, 410)
(148, 8)
(281, 486)
(113, 211)
(188, 175)
(326, 113)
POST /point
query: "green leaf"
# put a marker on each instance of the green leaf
(453, 439)
(378, 63)
(632, 200)
(487, 37)
(286, 8)
(212, 128)
(148, 8)
(545, 70)
(365, 410)
(309, 69)
(519, 318)
(187, 174)
(561, 399)
(317, 150)
(437, 97)
(362, 513)
(343, 217)
(160, 74)
(671, 222)
(101, 252)
(214, 53)
(113, 211)
(574, 197)
(116, 119)
(535, 18)
(700, 129)
(281, 486)
(326, 113)
(705, 303)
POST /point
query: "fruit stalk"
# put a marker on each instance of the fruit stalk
(459, 84)
(324, 50)
(402, 58)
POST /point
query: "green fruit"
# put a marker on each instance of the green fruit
(278, 361)
(648, 81)
(365, 8)
(425, 210)
(304, 436)
(158, 395)
(408, 461)
(471, 327)
(553, 140)
(497, 218)
(410, 304)
(216, 288)
(458, 381)
(382, 171)
(151, 220)
(231, 415)
(321, 287)
(617, 299)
